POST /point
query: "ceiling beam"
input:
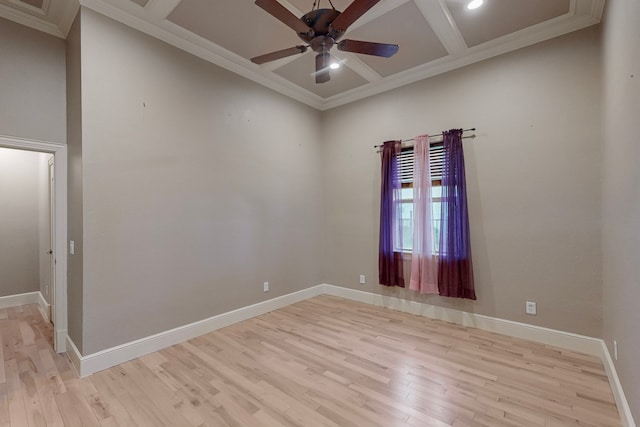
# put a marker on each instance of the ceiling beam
(441, 22)
(24, 18)
(358, 66)
(66, 14)
(160, 9)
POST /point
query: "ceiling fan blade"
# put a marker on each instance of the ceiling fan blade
(323, 74)
(279, 54)
(283, 14)
(351, 14)
(368, 48)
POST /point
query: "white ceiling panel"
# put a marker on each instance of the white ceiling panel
(406, 27)
(142, 3)
(236, 25)
(497, 18)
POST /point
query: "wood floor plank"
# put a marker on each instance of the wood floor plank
(35, 413)
(49, 384)
(323, 362)
(4, 406)
(17, 408)
(112, 401)
(163, 402)
(3, 377)
(142, 415)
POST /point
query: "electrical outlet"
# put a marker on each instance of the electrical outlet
(266, 286)
(615, 349)
(362, 279)
(531, 308)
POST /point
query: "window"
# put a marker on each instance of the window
(405, 174)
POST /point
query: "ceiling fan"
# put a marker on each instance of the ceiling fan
(321, 29)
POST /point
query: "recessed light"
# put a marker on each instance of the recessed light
(334, 65)
(474, 4)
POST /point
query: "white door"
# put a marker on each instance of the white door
(52, 255)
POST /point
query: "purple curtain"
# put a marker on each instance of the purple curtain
(389, 261)
(455, 269)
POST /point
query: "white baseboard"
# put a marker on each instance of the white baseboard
(87, 365)
(27, 298)
(618, 393)
(61, 340)
(20, 299)
(74, 354)
(575, 342)
(579, 343)
(43, 306)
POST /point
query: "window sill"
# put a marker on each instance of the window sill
(406, 256)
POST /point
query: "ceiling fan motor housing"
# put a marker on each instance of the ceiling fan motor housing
(319, 21)
(321, 43)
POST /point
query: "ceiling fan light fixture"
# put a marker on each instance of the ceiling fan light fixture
(474, 4)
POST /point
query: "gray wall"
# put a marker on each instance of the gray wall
(32, 83)
(32, 106)
(19, 221)
(621, 191)
(533, 176)
(198, 186)
(75, 303)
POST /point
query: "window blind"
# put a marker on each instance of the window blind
(406, 160)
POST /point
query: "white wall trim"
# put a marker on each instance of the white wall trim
(570, 341)
(89, 364)
(27, 298)
(29, 20)
(61, 339)
(43, 306)
(59, 152)
(20, 299)
(73, 353)
(618, 393)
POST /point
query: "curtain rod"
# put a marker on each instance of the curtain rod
(433, 136)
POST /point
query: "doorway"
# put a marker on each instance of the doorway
(51, 292)
(58, 217)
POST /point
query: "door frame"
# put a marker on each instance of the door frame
(51, 177)
(59, 152)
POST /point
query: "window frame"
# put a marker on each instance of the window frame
(405, 171)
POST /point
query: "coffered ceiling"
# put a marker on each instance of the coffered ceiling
(435, 36)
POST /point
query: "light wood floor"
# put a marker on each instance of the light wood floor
(321, 362)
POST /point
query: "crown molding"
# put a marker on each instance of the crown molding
(151, 20)
(37, 23)
(204, 49)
